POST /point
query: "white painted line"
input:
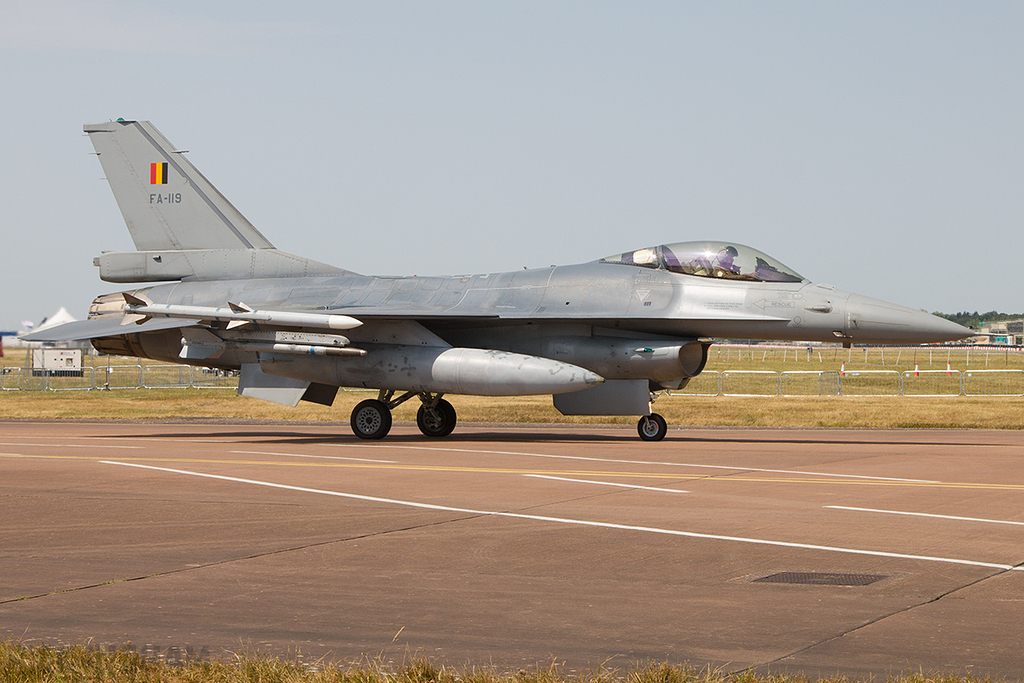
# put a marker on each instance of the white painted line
(925, 514)
(137, 438)
(604, 483)
(834, 475)
(322, 457)
(579, 522)
(65, 445)
(546, 455)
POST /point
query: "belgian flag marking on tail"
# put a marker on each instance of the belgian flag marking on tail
(158, 173)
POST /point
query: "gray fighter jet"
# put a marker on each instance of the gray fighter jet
(604, 337)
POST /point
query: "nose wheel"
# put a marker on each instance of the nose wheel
(652, 427)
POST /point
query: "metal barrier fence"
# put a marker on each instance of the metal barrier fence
(704, 384)
(117, 377)
(932, 383)
(993, 383)
(809, 383)
(750, 383)
(211, 378)
(870, 383)
(766, 383)
(921, 383)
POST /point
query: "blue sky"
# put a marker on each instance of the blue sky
(876, 146)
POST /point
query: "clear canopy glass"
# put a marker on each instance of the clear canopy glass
(724, 260)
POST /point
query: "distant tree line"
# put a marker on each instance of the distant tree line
(976, 320)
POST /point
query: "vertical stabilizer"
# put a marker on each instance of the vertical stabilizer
(166, 202)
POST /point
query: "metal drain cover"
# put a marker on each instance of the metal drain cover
(822, 578)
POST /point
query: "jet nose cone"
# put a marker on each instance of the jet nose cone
(873, 321)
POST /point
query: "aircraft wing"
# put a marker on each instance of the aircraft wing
(104, 327)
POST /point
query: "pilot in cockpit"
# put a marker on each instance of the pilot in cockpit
(721, 264)
(724, 261)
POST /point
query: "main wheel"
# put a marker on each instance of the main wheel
(371, 419)
(652, 427)
(436, 421)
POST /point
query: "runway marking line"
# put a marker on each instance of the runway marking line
(641, 462)
(739, 478)
(69, 445)
(925, 514)
(577, 522)
(371, 466)
(319, 457)
(121, 438)
(604, 483)
(548, 455)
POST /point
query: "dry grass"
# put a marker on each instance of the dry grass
(23, 664)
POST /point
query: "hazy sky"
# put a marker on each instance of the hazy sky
(876, 146)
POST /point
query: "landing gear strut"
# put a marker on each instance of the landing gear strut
(371, 419)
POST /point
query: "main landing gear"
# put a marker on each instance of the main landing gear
(371, 419)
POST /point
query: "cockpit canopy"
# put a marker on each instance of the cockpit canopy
(725, 260)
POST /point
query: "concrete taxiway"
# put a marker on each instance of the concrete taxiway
(519, 546)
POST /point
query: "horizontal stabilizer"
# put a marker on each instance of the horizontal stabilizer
(207, 264)
(106, 326)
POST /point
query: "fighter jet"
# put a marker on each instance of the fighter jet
(603, 338)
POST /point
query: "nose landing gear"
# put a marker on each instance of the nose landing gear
(652, 427)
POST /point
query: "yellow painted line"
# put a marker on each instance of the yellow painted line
(675, 476)
(368, 466)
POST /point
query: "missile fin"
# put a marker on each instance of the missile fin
(136, 318)
(199, 335)
(190, 352)
(130, 298)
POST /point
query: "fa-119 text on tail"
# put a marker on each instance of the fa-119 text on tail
(603, 337)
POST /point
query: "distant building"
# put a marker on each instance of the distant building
(1008, 332)
(59, 318)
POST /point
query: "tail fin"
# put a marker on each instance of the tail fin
(181, 225)
(166, 202)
